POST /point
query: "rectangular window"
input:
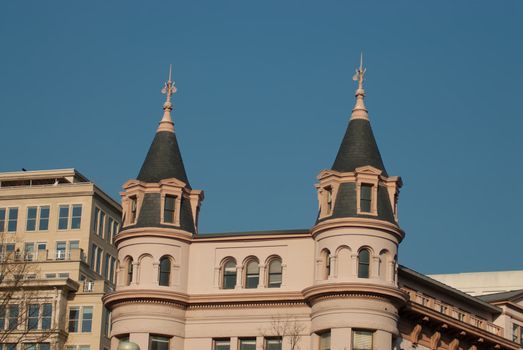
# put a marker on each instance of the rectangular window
(60, 250)
(366, 198)
(63, 217)
(159, 343)
(44, 346)
(84, 347)
(325, 341)
(96, 218)
(2, 219)
(74, 319)
(31, 219)
(12, 220)
(106, 266)
(87, 319)
(29, 248)
(116, 227)
(33, 314)
(101, 224)
(361, 340)
(168, 209)
(47, 315)
(109, 228)
(273, 343)
(43, 224)
(99, 253)
(76, 218)
(30, 346)
(106, 322)
(12, 321)
(134, 204)
(8, 346)
(247, 343)
(221, 344)
(94, 248)
(111, 270)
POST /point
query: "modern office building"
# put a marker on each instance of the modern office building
(57, 259)
(336, 285)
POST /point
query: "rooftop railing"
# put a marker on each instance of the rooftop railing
(454, 312)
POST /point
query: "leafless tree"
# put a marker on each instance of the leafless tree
(287, 328)
(20, 301)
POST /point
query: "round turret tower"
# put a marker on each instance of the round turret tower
(355, 296)
(160, 217)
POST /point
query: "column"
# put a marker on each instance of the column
(382, 340)
(283, 275)
(239, 277)
(334, 266)
(340, 338)
(156, 277)
(217, 277)
(134, 279)
(314, 342)
(390, 271)
(354, 265)
(375, 267)
(259, 343)
(234, 343)
(261, 281)
(141, 339)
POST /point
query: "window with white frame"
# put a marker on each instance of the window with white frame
(8, 219)
(366, 198)
(229, 274)
(273, 343)
(69, 216)
(274, 273)
(37, 218)
(363, 263)
(80, 319)
(169, 207)
(252, 274)
(158, 342)
(247, 344)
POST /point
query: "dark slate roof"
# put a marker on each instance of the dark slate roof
(164, 160)
(404, 273)
(150, 211)
(358, 148)
(345, 205)
(503, 296)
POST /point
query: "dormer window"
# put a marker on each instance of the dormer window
(168, 209)
(366, 198)
(134, 206)
(329, 199)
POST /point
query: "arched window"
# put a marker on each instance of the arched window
(363, 263)
(129, 271)
(229, 274)
(275, 273)
(164, 271)
(326, 263)
(252, 274)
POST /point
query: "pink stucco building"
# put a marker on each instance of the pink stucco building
(334, 286)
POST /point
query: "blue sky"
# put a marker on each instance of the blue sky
(264, 96)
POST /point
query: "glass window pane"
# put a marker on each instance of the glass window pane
(361, 340)
(12, 220)
(101, 224)
(84, 347)
(2, 219)
(168, 214)
(159, 343)
(275, 274)
(273, 344)
(77, 216)
(44, 219)
(248, 344)
(229, 275)
(31, 219)
(222, 344)
(32, 316)
(363, 263)
(87, 318)
(325, 341)
(14, 312)
(47, 314)
(44, 346)
(165, 271)
(63, 217)
(74, 316)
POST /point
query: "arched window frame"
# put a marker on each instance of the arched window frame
(251, 278)
(164, 271)
(326, 263)
(364, 257)
(274, 276)
(129, 267)
(228, 274)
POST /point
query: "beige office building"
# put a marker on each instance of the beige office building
(57, 259)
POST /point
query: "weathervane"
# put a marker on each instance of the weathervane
(169, 88)
(360, 73)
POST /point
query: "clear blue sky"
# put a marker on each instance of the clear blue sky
(264, 95)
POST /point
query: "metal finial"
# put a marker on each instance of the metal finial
(169, 87)
(360, 73)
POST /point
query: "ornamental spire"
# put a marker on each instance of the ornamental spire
(169, 88)
(359, 111)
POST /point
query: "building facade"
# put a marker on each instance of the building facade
(57, 259)
(334, 286)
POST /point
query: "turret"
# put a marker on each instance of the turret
(357, 237)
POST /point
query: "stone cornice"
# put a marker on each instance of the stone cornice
(358, 222)
(139, 232)
(366, 290)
